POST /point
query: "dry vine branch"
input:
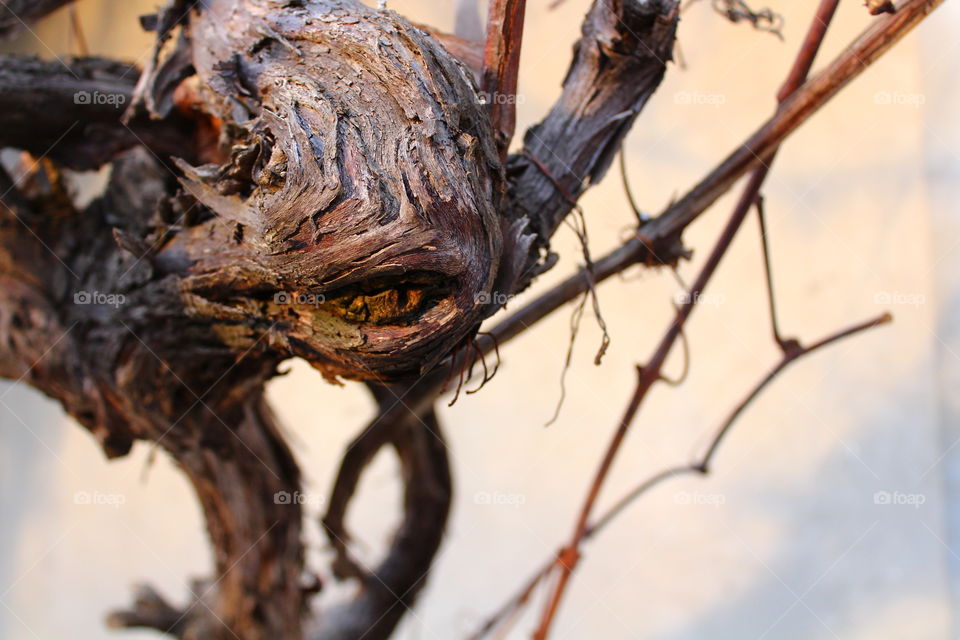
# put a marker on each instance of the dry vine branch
(345, 164)
(700, 466)
(657, 241)
(395, 584)
(651, 372)
(653, 238)
(320, 179)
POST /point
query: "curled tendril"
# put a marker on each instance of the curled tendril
(762, 20)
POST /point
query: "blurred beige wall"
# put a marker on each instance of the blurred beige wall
(790, 538)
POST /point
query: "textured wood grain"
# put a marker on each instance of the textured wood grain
(359, 175)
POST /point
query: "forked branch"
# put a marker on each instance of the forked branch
(700, 466)
(651, 372)
(658, 241)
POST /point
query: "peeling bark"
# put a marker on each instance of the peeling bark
(101, 330)
(360, 175)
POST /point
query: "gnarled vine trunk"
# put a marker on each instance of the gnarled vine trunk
(292, 178)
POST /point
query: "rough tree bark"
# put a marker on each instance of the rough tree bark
(295, 178)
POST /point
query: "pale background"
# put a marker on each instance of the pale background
(784, 541)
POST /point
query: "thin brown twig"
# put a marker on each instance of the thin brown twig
(876, 40)
(700, 467)
(641, 218)
(578, 224)
(685, 371)
(501, 66)
(648, 375)
(661, 235)
(785, 344)
(483, 361)
(515, 603)
(658, 239)
(76, 31)
(575, 319)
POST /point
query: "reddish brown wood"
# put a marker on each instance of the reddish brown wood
(501, 67)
